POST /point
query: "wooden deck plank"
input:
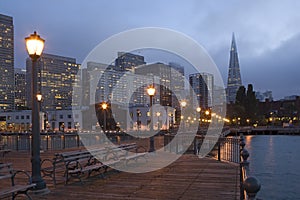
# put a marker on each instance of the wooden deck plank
(187, 178)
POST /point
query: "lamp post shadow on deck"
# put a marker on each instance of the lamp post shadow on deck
(35, 46)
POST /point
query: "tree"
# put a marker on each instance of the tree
(246, 105)
(241, 96)
(251, 103)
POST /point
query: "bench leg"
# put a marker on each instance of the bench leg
(14, 195)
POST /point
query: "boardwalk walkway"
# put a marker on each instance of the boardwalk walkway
(187, 178)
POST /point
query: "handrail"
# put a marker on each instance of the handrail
(249, 185)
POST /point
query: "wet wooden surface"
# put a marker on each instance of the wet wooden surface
(187, 178)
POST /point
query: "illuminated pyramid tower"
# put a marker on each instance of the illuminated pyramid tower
(234, 75)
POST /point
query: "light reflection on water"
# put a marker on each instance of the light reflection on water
(275, 161)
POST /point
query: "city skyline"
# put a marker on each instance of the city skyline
(267, 40)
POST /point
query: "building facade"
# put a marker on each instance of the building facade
(56, 76)
(6, 63)
(20, 89)
(234, 74)
(202, 85)
(128, 61)
(50, 121)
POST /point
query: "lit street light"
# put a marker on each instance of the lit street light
(183, 103)
(35, 46)
(151, 92)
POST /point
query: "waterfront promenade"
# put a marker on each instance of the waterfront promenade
(187, 178)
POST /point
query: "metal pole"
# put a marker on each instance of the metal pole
(35, 148)
(104, 121)
(151, 149)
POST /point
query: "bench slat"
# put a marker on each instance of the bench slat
(16, 188)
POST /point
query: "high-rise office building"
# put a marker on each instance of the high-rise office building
(56, 76)
(20, 88)
(203, 89)
(234, 75)
(128, 61)
(163, 89)
(119, 87)
(177, 82)
(6, 63)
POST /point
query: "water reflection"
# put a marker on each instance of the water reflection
(275, 161)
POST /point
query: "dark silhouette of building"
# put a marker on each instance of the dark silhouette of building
(234, 75)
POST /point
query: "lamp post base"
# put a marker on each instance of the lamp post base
(38, 192)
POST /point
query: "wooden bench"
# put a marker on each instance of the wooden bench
(8, 184)
(76, 164)
(130, 152)
(70, 164)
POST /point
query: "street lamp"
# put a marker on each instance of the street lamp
(35, 46)
(183, 103)
(104, 107)
(151, 92)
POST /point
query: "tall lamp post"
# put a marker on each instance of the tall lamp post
(151, 92)
(35, 46)
(104, 107)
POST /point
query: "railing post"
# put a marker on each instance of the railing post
(17, 142)
(195, 145)
(219, 150)
(77, 140)
(64, 141)
(47, 141)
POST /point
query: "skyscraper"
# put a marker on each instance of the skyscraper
(6, 63)
(56, 76)
(128, 61)
(163, 94)
(234, 75)
(20, 88)
(203, 86)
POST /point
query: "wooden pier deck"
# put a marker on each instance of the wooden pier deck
(187, 178)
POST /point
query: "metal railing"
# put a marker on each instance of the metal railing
(226, 149)
(249, 185)
(22, 142)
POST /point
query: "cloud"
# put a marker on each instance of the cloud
(277, 69)
(262, 28)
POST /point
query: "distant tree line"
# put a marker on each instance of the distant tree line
(245, 109)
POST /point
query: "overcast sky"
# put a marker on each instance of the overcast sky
(267, 32)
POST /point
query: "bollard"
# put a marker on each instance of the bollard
(252, 186)
(245, 155)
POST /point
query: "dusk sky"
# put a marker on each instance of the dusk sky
(267, 32)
